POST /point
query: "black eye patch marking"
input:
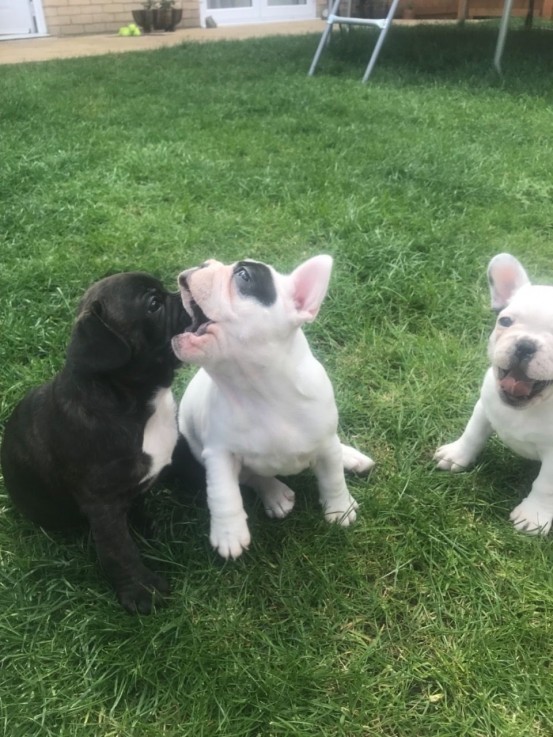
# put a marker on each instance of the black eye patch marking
(255, 280)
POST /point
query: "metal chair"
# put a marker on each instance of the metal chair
(347, 20)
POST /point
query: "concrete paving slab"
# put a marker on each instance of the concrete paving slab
(65, 47)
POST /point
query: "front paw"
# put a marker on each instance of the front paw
(532, 517)
(453, 457)
(355, 461)
(230, 537)
(142, 594)
(343, 511)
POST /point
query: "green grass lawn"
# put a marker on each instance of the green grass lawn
(430, 617)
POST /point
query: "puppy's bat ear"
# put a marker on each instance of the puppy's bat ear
(309, 286)
(505, 276)
(95, 347)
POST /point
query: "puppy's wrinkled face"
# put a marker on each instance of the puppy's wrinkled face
(231, 307)
(247, 309)
(521, 346)
(126, 319)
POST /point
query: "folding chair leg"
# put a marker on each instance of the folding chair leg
(324, 38)
(502, 34)
(381, 38)
(383, 24)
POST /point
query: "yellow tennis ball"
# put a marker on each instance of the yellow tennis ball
(125, 31)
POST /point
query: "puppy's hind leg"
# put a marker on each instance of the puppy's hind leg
(355, 461)
(278, 499)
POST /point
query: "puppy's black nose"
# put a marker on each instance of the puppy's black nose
(525, 349)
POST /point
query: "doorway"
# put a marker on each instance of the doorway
(21, 19)
(234, 12)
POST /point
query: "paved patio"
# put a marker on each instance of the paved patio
(65, 47)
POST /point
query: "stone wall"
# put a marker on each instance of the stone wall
(70, 17)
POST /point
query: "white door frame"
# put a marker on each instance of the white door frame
(259, 12)
(37, 21)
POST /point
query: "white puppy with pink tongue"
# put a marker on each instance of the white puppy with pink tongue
(516, 400)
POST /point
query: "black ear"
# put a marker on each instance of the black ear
(94, 346)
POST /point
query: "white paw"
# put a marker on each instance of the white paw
(278, 499)
(343, 511)
(453, 457)
(355, 461)
(230, 537)
(531, 517)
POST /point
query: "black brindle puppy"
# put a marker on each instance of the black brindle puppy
(88, 442)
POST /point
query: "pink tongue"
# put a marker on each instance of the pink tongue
(517, 387)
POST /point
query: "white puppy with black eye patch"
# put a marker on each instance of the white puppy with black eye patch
(261, 404)
(516, 399)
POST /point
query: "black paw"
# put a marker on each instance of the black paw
(143, 595)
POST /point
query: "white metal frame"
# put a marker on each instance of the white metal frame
(383, 24)
(507, 7)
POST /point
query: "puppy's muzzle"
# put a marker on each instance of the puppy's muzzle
(200, 321)
(524, 350)
(516, 387)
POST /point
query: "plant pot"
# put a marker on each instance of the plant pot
(144, 19)
(167, 19)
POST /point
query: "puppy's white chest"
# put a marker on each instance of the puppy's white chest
(283, 460)
(160, 433)
(283, 442)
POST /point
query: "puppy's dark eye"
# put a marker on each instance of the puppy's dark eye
(154, 303)
(505, 322)
(242, 273)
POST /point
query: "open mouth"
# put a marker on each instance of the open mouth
(200, 322)
(517, 388)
